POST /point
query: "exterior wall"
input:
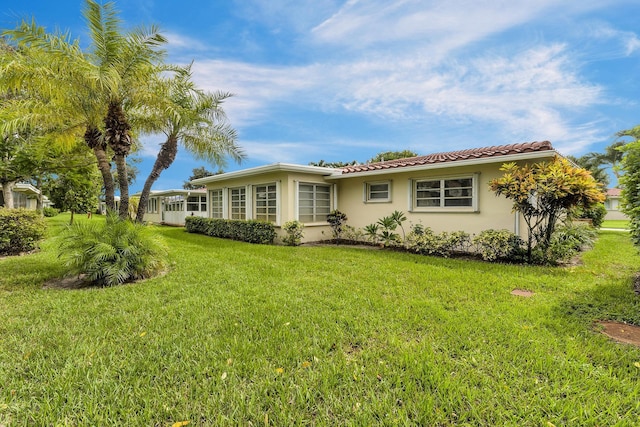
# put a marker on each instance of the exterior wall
(492, 212)
(612, 204)
(287, 183)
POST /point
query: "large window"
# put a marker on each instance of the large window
(197, 203)
(216, 203)
(314, 202)
(446, 193)
(265, 202)
(377, 192)
(238, 203)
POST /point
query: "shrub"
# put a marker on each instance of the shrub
(112, 252)
(336, 220)
(352, 234)
(20, 230)
(596, 214)
(294, 233)
(495, 245)
(371, 231)
(423, 240)
(246, 231)
(50, 212)
(566, 242)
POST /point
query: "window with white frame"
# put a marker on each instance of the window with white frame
(197, 203)
(152, 205)
(216, 203)
(454, 193)
(377, 191)
(238, 203)
(265, 202)
(314, 202)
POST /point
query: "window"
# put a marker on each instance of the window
(174, 204)
(216, 203)
(314, 202)
(197, 203)
(264, 197)
(152, 205)
(238, 203)
(446, 193)
(377, 192)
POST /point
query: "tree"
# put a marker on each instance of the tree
(391, 155)
(336, 165)
(543, 192)
(196, 173)
(190, 117)
(91, 90)
(592, 162)
(76, 190)
(631, 186)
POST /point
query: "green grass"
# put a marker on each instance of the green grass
(241, 334)
(615, 223)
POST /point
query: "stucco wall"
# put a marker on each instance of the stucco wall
(492, 212)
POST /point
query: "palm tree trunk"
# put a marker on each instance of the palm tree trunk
(93, 138)
(123, 183)
(117, 135)
(165, 158)
(7, 193)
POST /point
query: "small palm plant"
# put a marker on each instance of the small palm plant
(112, 252)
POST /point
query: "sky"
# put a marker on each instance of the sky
(342, 80)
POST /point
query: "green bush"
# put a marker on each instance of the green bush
(294, 233)
(494, 245)
(423, 240)
(250, 231)
(50, 212)
(112, 252)
(596, 214)
(566, 242)
(20, 230)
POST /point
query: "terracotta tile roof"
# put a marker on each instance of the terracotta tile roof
(614, 192)
(453, 156)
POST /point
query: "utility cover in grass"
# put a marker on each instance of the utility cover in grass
(621, 332)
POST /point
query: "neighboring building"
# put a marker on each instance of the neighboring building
(25, 196)
(171, 207)
(612, 204)
(102, 205)
(444, 191)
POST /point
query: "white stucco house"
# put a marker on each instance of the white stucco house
(171, 207)
(612, 204)
(25, 196)
(446, 191)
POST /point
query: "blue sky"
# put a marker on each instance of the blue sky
(342, 80)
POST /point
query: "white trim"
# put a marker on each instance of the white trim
(226, 212)
(276, 167)
(296, 200)
(446, 209)
(278, 201)
(367, 186)
(248, 202)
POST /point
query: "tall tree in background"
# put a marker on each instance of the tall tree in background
(593, 164)
(200, 172)
(336, 165)
(190, 117)
(391, 155)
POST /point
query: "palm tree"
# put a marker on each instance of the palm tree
(63, 96)
(126, 63)
(192, 118)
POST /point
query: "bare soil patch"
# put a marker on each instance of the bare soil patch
(621, 332)
(75, 282)
(522, 293)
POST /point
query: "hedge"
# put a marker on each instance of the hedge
(20, 230)
(246, 231)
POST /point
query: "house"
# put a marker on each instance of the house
(25, 196)
(612, 204)
(171, 207)
(444, 191)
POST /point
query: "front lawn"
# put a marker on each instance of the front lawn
(615, 223)
(241, 334)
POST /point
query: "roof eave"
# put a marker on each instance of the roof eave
(456, 163)
(275, 167)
